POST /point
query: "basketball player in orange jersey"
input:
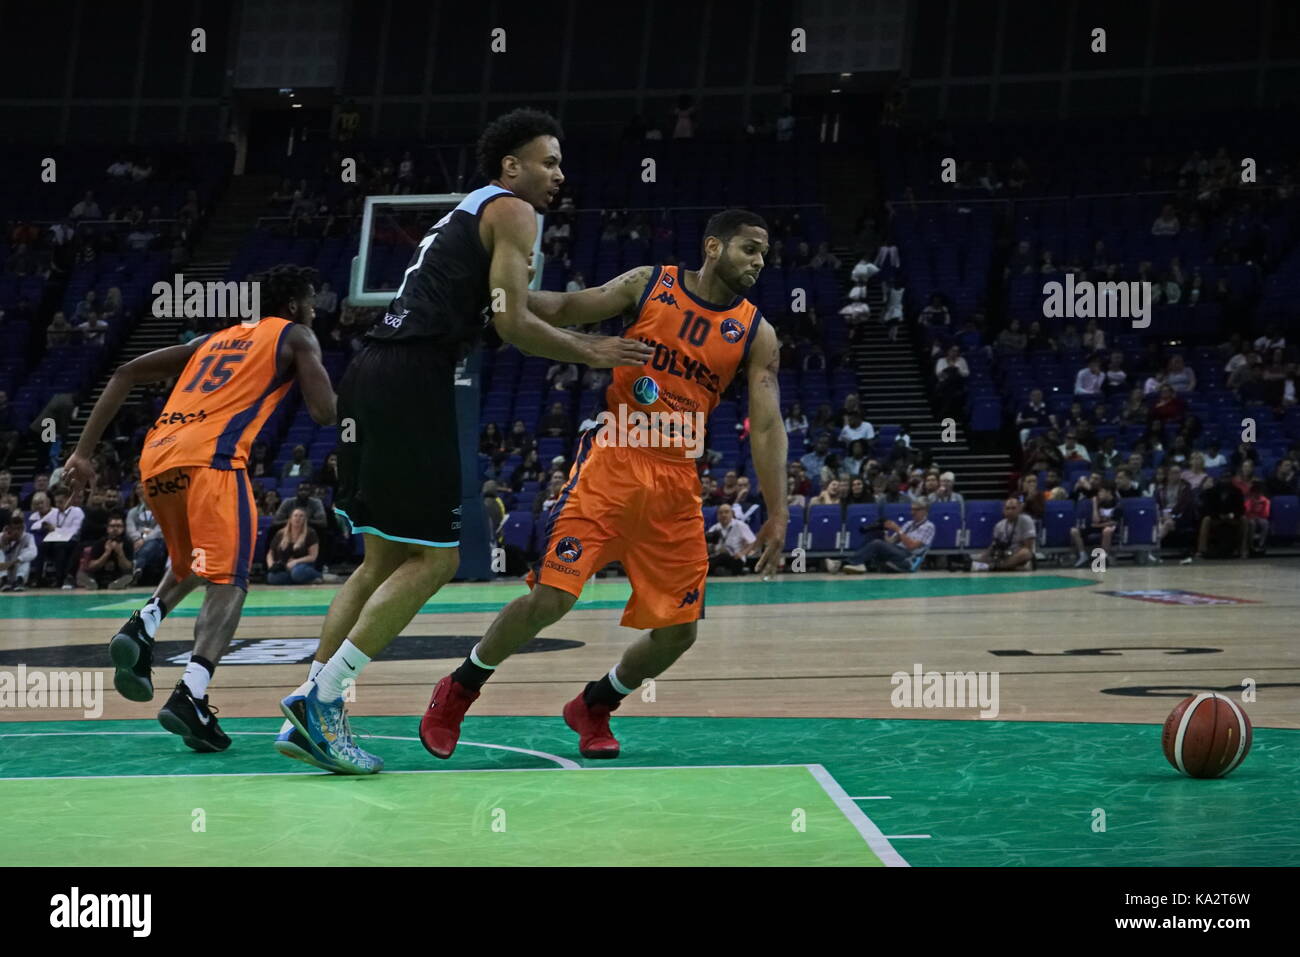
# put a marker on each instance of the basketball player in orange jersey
(192, 467)
(638, 501)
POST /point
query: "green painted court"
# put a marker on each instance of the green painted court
(739, 792)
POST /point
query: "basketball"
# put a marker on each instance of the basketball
(1206, 736)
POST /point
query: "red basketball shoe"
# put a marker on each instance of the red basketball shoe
(595, 740)
(440, 726)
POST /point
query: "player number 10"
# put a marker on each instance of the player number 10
(698, 330)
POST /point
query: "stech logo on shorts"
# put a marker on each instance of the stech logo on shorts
(180, 483)
(733, 330)
(569, 549)
(645, 390)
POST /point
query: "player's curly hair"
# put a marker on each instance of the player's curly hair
(727, 223)
(282, 284)
(509, 133)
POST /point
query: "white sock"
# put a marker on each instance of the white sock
(196, 678)
(473, 656)
(979, 566)
(346, 664)
(151, 615)
(618, 685)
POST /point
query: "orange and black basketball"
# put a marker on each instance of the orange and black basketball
(1206, 736)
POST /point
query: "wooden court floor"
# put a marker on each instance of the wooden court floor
(1064, 646)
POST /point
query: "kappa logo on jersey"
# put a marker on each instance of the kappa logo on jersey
(733, 330)
(569, 549)
(667, 280)
(646, 390)
(667, 297)
(690, 598)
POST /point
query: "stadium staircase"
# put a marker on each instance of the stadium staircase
(892, 388)
(233, 219)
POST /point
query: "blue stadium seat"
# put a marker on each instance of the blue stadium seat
(824, 528)
(1284, 518)
(981, 516)
(1057, 522)
(794, 530)
(854, 517)
(518, 530)
(946, 517)
(1139, 518)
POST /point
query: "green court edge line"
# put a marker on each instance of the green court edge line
(465, 597)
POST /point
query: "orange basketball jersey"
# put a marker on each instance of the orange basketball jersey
(699, 347)
(220, 401)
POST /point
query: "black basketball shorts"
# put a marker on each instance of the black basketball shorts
(399, 477)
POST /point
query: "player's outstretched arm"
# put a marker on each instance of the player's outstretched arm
(153, 366)
(304, 355)
(512, 226)
(591, 305)
(768, 444)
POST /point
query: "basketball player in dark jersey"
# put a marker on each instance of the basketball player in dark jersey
(399, 481)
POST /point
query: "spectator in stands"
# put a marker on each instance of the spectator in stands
(901, 546)
(816, 457)
(951, 373)
(1021, 260)
(815, 359)
(684, 118)
(1166, 224)
(936, 313)
(1036, 340)
(1012, 544)
(326, 302)
(576, 283)
(831, 494)
(142, 171)
(1125, 486)
(17, 552)
(60, 548)
(548, 495)
(1012, 340)
(1195, 475)
(1283, 481)
(308, 502)
(87, 208)
(1244, 477)
(1223, 513)
(1108, 456)
(863, 270)
(857, 458)
(492, 442)
(744, 505)
(518, 441)
(119, 168)
(825, 259)
(1169, 407)
(795, 420)
(9, 435)
(111, 562)
(556, 424)
(327, 476)
(1258, 509)
(1116, 377)
(1100, 529)
(1086, 486)
(946, 492)
(1090, 379)
(1070, 340)
(1033, 415)
(730, 543)
(93, 330)
(1033, 501)
(855, 429)
(859, 493)
(1135, 411)
(59, 332)
(1094, 339)
(299, 466)
(291, 556)
(1072, 451)
(798, 483)
(146, 538)
(1180, 376)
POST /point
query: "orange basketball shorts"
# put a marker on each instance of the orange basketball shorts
(208, 520)
(629, 506)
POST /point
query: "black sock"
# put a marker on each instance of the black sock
(209, 666)
(470, 675)
(602, 692)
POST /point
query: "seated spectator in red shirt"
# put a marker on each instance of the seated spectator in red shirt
(1244, 477)
(1258, 508)
(1170, 407)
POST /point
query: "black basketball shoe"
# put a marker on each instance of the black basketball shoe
(193, 720)
(132, 652)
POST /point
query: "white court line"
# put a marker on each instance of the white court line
(565, 763)
(899, 837)
(873, 797)
(866, 827)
